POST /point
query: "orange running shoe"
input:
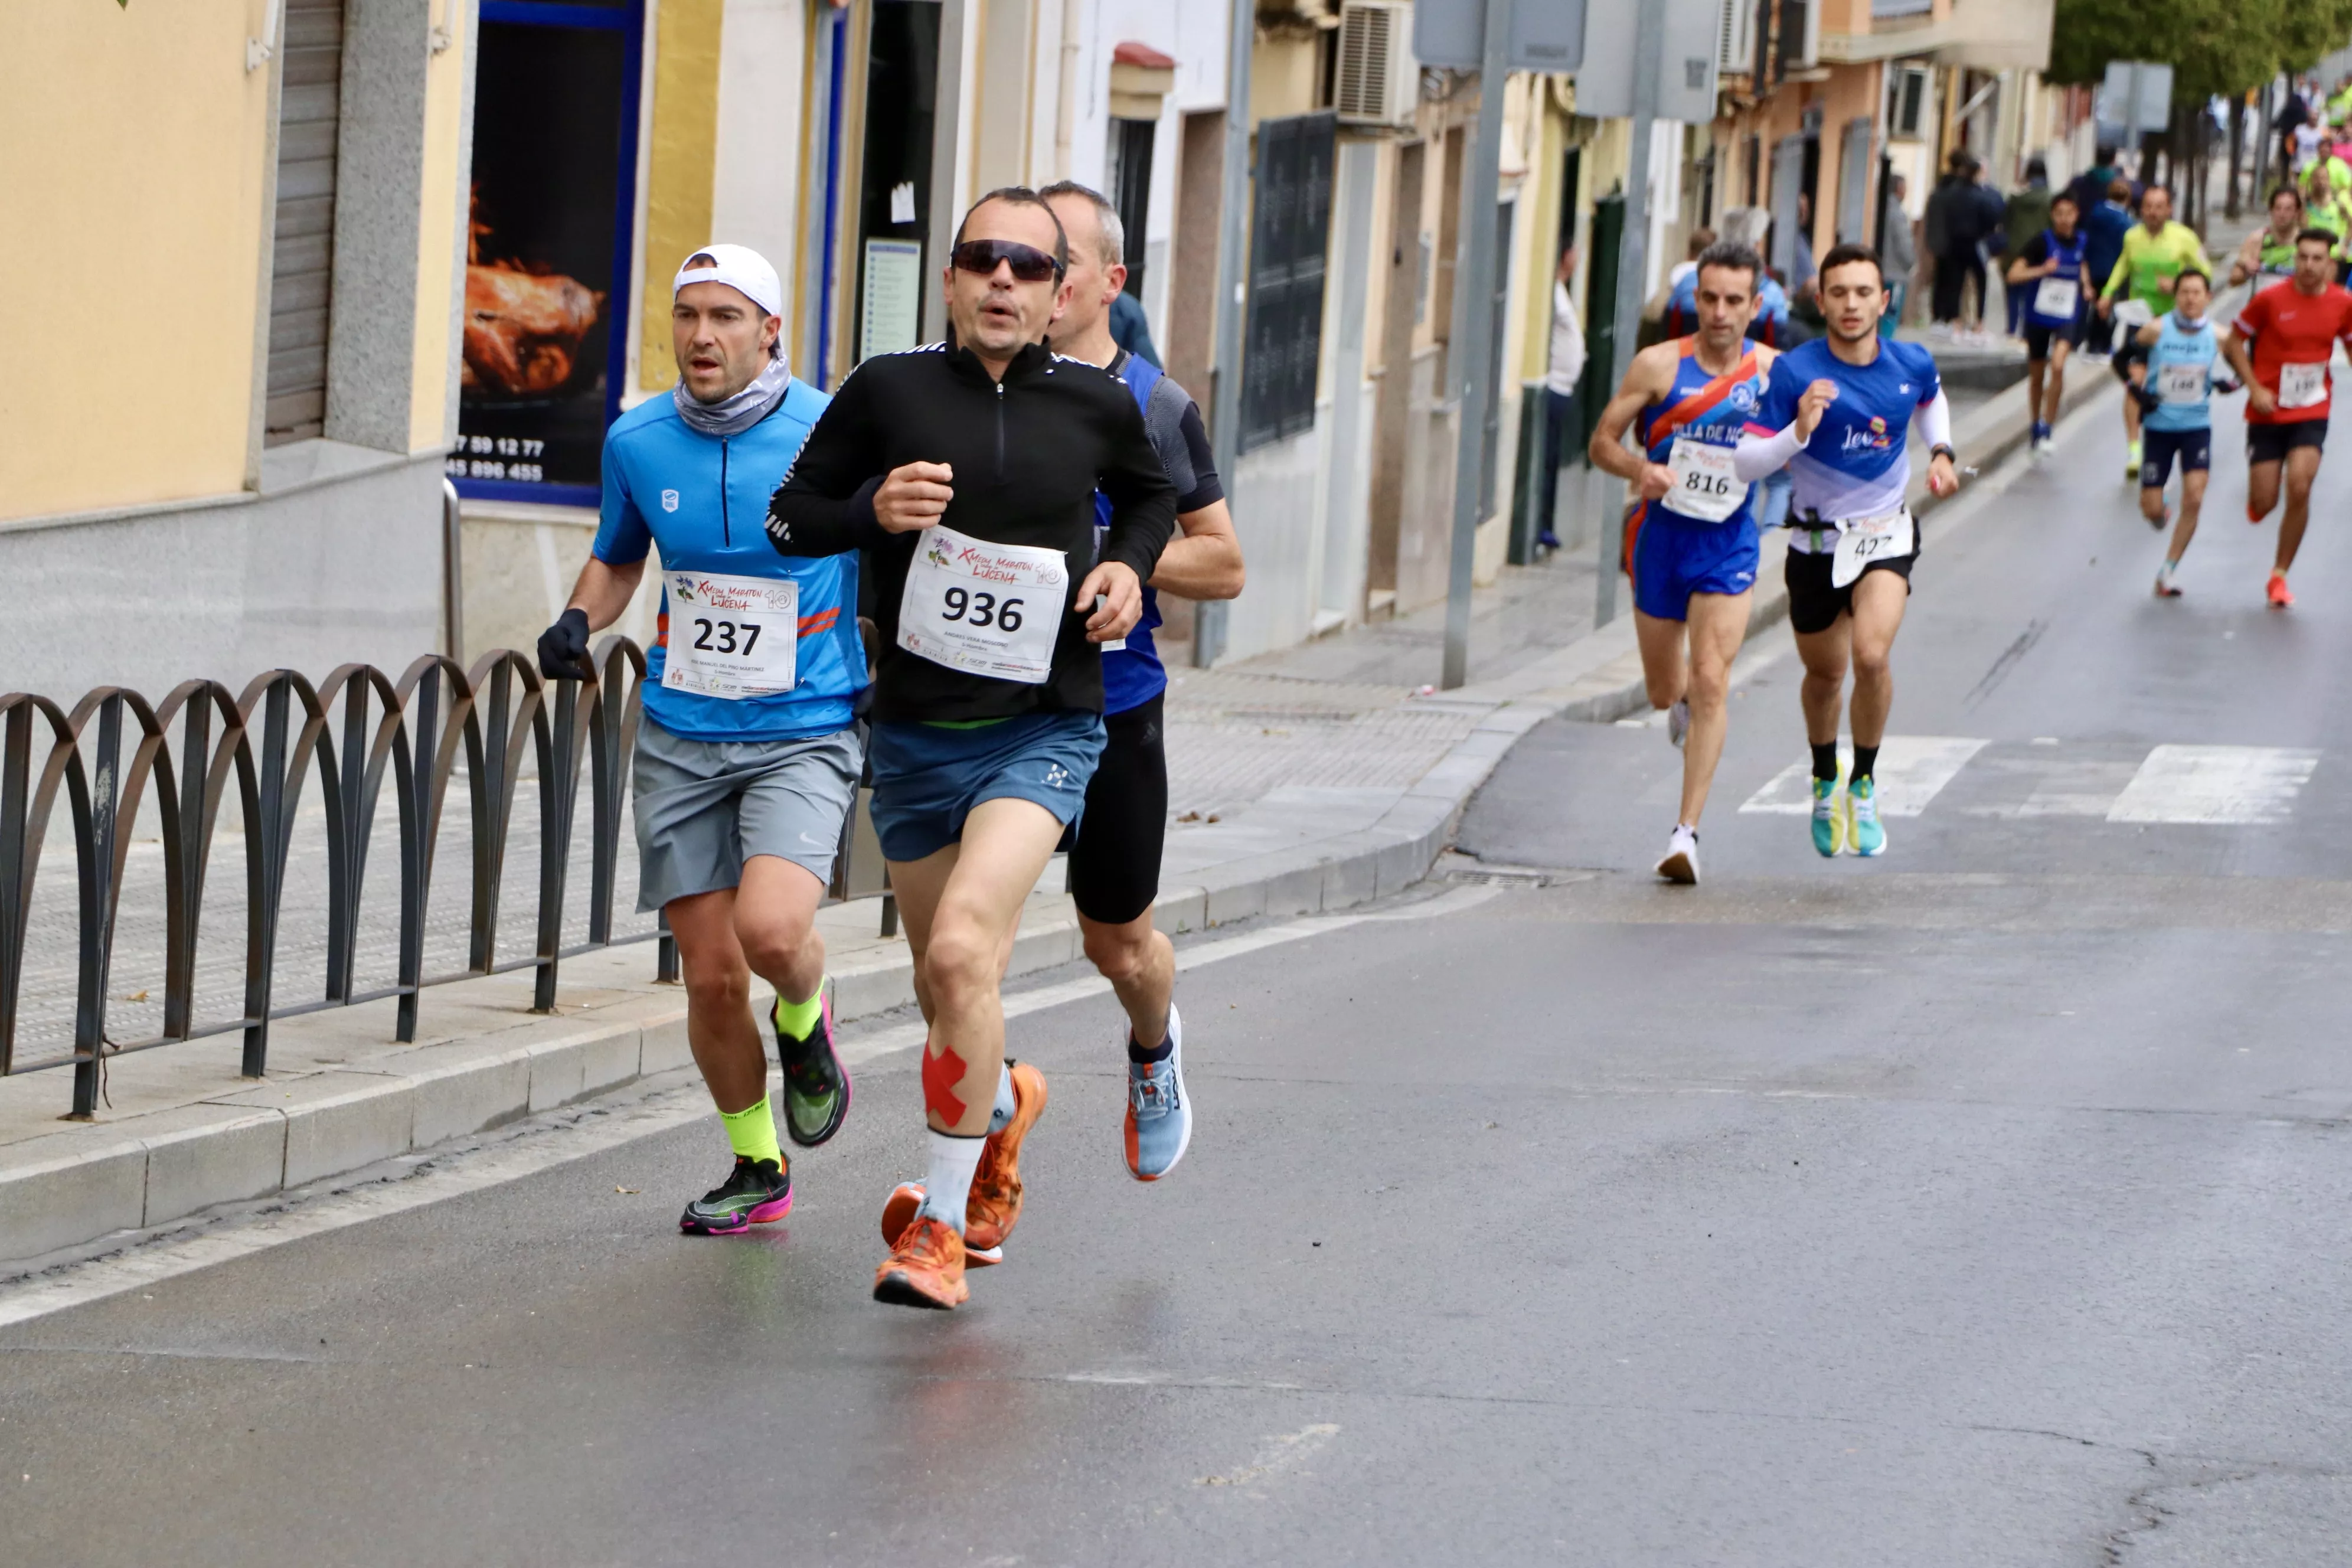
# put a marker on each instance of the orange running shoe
(925, 1267)
(2280, 597)
(899, 1213)
(994, 1205)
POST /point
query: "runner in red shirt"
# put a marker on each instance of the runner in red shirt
(2293, 328)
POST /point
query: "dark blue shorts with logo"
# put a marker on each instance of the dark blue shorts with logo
(928, 777)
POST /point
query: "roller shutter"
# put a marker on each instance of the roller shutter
(302, 256)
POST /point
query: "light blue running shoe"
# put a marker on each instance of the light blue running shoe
(1863, 829)
(1826, 825)
(1159, 1110)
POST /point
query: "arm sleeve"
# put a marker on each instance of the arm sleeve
(1759, 457)
(826, 504)
(1935, 418)
(623, 538)
(1142, 502)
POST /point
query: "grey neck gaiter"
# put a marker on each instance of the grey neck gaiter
(733, 416)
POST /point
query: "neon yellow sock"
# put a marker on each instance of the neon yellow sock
(798, 1019)
(751, 1132)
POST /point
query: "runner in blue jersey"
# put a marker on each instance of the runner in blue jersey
(1115, 862)
(2050, 266)
(747, 759)
(1690, 539)
(1842, 406)
(2172, 375)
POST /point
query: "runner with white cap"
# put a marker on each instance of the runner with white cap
(747, 759)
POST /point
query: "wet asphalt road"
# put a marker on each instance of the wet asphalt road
(1983, 1205)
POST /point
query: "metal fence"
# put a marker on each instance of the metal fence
(497, 721)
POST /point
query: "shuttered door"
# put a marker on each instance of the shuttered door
(302, 257)
(1289, 232)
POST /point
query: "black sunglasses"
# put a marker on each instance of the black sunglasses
(1029, 264)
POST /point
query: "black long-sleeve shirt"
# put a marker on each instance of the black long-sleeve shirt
(1029, 453)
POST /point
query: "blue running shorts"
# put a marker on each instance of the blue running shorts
(1673, 560)
(928, 777)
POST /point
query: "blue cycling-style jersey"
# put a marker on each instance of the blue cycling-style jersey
(1712, 410)
(2180, 373)
(703, 501)
(1858, 464)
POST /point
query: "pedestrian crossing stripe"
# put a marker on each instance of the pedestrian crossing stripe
(2214, 783)
(2181, 786)
(1910, 772)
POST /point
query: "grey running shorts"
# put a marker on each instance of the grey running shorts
(703, 807)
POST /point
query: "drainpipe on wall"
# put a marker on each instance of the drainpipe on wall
(1226, 375)
(1066, 103)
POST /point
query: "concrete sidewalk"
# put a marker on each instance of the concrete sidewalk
(1310, 780)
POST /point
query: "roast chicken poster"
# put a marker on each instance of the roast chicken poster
(536, 388)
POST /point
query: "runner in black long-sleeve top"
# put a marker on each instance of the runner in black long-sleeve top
(967, 472)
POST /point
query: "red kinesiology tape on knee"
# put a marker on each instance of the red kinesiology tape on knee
(942, 1071)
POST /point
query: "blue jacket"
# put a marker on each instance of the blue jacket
(2104, 227)
(703, 499)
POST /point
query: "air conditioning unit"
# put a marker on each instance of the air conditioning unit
(1379, 82)
(1735, 48)
(1800, 34)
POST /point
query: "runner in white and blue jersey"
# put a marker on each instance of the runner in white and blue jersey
(747, 758)
(1842, 406)
(1691, 538)
(2172, 375)
(1114, 861)
(2050, 266)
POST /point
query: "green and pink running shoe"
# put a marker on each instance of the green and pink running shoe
(759, 1192)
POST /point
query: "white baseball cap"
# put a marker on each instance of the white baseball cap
(738, 267)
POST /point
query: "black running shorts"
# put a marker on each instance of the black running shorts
(1115, 864)
(2039, 338)
(1813, 604)
(2272, 443)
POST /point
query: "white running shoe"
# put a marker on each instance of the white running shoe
(1678, 722)
(1681, 864)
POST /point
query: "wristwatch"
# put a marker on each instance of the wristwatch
(1941, 450)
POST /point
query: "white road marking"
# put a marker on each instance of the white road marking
(2246, 784)
(595, 1129)
(2073, 788)
(1281, 1453)
(1912, 771)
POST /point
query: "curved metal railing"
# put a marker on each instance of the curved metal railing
(354, 726)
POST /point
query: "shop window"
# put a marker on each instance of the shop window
(548, 252)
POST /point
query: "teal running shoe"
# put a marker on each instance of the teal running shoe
(1826, 825)
(1159, 1112)
(1863, 829)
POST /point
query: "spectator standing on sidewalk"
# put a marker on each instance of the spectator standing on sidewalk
(2296, 112)
(1897, 252)
(1956, 226)
(2027, 216)
(1561, 377)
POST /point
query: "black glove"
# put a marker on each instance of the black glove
(2148, 400)
(563, 648)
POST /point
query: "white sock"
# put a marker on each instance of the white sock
(949, 1186)
(1005, 1103)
